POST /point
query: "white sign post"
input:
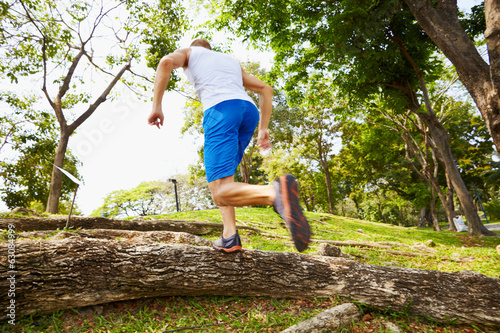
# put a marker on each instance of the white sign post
(78, 183)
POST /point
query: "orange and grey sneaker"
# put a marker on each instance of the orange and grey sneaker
(287, 206)
(228, 245)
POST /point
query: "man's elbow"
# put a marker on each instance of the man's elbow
(267, 90)
(166, 62)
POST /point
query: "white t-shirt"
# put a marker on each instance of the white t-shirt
(216, 77)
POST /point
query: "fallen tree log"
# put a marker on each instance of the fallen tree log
(59, 222)
(129, 236)
(48, 275)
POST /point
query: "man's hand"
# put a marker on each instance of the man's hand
(263, 140)
(179, 58)
(156, 118)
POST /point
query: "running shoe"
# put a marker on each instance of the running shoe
(287, 206)
(228, 245)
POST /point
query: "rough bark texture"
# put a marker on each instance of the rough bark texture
(479, 78)
(53, 223)
(441, 140)
(129, 236)
(331, 319)
(79, 271)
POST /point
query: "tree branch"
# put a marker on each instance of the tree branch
(100, 99)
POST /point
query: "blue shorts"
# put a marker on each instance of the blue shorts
(228, 127)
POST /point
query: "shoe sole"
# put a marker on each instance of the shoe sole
(297, 222)
(229, 250)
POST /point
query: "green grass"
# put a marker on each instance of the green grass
(329, 227)
(261, 314)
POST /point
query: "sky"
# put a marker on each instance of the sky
(119, 150)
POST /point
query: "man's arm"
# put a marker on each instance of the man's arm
(178, 58)
(266, 97)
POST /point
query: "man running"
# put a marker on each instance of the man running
(230, 119)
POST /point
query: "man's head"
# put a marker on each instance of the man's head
(201, 42)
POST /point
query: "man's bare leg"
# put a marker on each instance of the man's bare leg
(228, 194)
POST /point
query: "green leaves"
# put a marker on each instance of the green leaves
(149, 198)
(30, 141)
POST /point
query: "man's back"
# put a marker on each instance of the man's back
(216, 76)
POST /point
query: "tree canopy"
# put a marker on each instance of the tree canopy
(363, 113)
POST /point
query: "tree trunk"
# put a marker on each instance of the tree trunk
(480, 79)
(441, 141)
(56, 180)
(421, 218)
(49, 275)
(328, 181)
(435, 220)
(323, 161)
(67, 130)
(245, 176)
(429, 217)
(432, 204)
(451, 205)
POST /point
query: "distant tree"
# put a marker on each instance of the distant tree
(29, 140)
(148, 198)
(317, 132)
(156, 198)
(63, 44)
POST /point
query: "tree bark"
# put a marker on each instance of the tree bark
(323, 161)
(449, 201)
(49, 275)
(432, 208)
(421, 217)
(56, 179)
(39, 223)
(435, 220)
(441, 24)
(441, 141)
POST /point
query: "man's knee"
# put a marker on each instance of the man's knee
(220, 190)
(217, 194)
(217, 199)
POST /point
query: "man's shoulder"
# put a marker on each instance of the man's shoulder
(185, 51)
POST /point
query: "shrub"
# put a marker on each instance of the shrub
(493, 209)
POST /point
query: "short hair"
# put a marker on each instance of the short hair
(201, 42)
